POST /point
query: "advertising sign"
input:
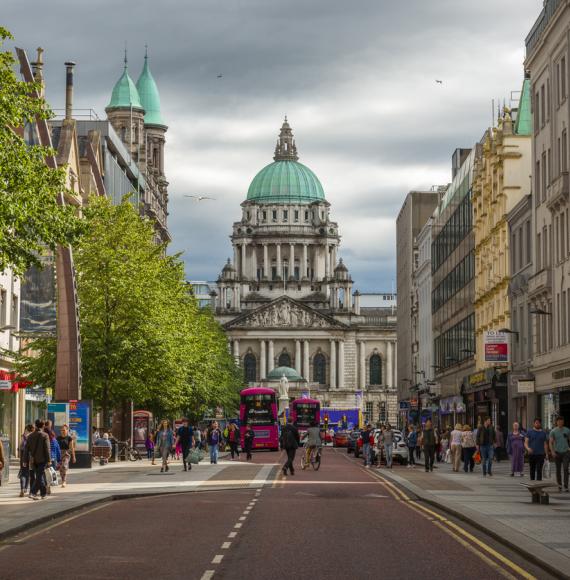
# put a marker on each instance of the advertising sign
(80, 424)
(5, 385)
(525, 386)
(496, 346)
(58, 414)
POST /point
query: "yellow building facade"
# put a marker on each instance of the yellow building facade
(501, 179)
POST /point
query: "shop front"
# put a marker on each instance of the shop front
(553, 391)
(486, 395)
(451, 411)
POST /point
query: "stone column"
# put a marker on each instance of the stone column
(333, 365)
(304, 268)
(333, 258)
(298, 356)
(362, 365)
(271, 356)
(236, 348)
(316, 250)
(279, 267)
(291, 260)
(306, 367)
(341, 364)
(265, 261)
(327, 261)
(236, 258)
(262, 361)
(243, 269)
(254, 262)
(389, 360)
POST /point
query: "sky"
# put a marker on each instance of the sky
(355, 79)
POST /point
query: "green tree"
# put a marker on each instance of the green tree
(30, 217)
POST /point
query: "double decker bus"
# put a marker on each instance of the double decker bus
(304, 412)
(258, 407)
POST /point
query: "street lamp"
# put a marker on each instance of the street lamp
(541, 312)
(509, 331)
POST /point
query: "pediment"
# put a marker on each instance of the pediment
(282, 313)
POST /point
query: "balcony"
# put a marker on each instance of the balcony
(540, 283)
(558, 192)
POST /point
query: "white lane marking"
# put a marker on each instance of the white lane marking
(226, 545)
(208, 575)
(246, 512)
(242, 518)
(238, 526)
(232, 534)
(217, 558)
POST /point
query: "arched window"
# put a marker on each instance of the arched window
(320, 369)
(375, 370)
(250, 367)
(284, 360)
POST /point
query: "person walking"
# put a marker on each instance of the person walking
(290, 440)
(515, 450)
(24, 473)
(455, 446)
(164, 443)
(149, 446)
(388, 442)
(39, 457)
(248, 438)
(2, 462)
(486, 438)
(214, 442)
(428, 442)
(366, 452)
(185, 439)
(536, 444)
(197, 438)
(560, 449)
(233, 440)
(412, 442)
(468, 447)
(499, 444)
(67, 446)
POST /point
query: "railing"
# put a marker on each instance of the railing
(541, 23)
(540, 282)
(558, 191)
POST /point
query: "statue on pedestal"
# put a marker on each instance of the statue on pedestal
(283, 394)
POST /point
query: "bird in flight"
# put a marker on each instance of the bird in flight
(438, 82)
(220, 75)
(199, 197)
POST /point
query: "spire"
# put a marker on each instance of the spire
(125, 94)
(148, 92)
(286, 150)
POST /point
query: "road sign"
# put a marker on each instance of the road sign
(496, 346)
(5, 385)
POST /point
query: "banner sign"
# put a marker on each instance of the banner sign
(58, 414)
(525, 386)
(80, 424)
(5, 385)
(496, 346)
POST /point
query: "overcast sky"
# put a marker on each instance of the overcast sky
(356, 80)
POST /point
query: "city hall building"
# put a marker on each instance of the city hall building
(286, 301)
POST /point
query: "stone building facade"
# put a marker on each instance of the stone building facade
(287, 300)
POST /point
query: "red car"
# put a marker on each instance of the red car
(340, 439)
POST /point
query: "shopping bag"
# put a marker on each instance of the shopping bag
(194, 456)
(52, 477)
(546, 470)
(448, 456)
(477, 457)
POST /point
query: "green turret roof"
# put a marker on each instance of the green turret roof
(125, 94)
(150, 98)
(278, 372)
(286, 180)
(523, 125)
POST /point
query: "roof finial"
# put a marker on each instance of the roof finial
(145, 51)
(286, 149)
(126, 59)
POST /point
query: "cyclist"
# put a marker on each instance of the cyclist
(314, 440)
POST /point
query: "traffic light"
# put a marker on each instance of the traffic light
(326, 421)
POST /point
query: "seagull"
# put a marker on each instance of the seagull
(220, 75)
(199, 197)
(438, 82)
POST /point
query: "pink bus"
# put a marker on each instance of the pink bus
(304, 412)
(258, 406)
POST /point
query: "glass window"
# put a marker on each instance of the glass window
(285, 215)
(375, 370)
(284, 359)
(320, 369)
(250, 368)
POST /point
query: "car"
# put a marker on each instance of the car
(340, 439)
(400, 451)
(351, 444)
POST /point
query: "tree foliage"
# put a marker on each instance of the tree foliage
(144, 338)
(30, 217)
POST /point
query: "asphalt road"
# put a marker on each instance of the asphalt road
(342, 522)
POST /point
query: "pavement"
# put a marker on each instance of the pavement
(342, 521)
(499, 505)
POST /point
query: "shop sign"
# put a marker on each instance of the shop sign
(5, 385)
(525, 386)
(477, 378)
(496, 346)
(452, 405)
(404, 405)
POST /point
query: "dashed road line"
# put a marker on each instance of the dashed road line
(232, 534)
(217, 559)
(238, 526)
(208, 575)
(226, 545)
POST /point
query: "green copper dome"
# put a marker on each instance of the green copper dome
(285, 182)
(150, 98)
(125, 94)
(277, 373)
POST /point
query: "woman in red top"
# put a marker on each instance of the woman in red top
(233, 439)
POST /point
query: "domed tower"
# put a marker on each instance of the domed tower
(285, 242)
(341, 289)
(126, 113)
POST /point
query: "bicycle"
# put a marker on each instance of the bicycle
(127, 452)
(314, 458)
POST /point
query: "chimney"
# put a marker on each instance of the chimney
(37, 69)
(69, 89)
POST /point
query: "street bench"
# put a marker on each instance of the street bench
(538, 491)
(101, 453)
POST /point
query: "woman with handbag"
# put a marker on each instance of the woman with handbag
(67, 447)
(24, 473)
(515, 450)
(468, 447)
(164, 443)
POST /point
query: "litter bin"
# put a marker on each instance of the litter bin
(6, 469)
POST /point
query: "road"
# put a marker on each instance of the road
(340, 522)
